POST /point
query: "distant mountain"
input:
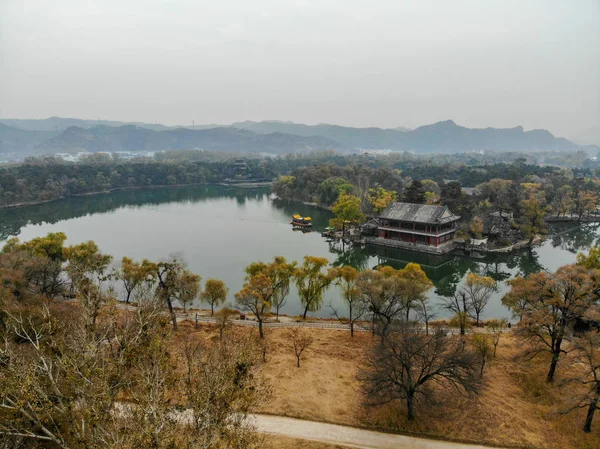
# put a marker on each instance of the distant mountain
(447, 136)
(59, 124)
(133, 138)
(41, 136)
(14, 140)
(590, 136)
(439, 137)
(346, 136)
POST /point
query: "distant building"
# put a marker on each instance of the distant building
(408, 224)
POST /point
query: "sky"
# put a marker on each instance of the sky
(505, 63)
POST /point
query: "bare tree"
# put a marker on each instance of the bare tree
(224, 318)
(586, 354)
(301, 340)
(408, 361)
(481, 346)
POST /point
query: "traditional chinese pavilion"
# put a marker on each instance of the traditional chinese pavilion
(417, 224)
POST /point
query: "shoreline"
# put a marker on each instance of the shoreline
(119, 189)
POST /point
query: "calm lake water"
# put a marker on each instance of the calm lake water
(220, 230)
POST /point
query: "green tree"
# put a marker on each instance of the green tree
(346, 209)
(415, 193)
(312, 282)
(214, 293)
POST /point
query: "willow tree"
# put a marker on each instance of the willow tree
(214, 293)
(413, 286)
(347, 278)
(550, 304)
(311, 282)
(256, 297)
(280, 272)
(134, 274)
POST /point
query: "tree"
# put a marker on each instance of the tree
(346, 209)
(549, 305)
(40, 261)
(533, 211)
(312, 282)
(221, 387)
(176, 283)
(347, 278)
(592, 260)
(496, 328)
(380, 289)
(85, 261)
(460, 305)
(134, 274)
(330, 189)
(477, 227)
(425, 312)
(214, 293)
(256, 297)
(587, 355)
(408, 362)
(380, 198)
(481, 347)
(223, 319)
(479, 289)
(301, 340)
(415, 193)
(413, 285)
(280, 272)
(563, 201)
(585, 203)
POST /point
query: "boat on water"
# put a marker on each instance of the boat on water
(301, 222)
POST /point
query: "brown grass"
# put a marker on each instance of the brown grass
(515, 409)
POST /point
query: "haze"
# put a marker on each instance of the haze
(357, 63)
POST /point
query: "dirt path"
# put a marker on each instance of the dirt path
(348, 436)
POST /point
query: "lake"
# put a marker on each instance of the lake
(220, 230)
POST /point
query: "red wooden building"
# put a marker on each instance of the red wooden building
(418, 223)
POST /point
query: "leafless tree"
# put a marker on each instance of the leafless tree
(409, 361)
(301, 340)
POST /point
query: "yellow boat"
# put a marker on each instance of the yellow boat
(300, 221)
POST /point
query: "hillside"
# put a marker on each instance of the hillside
(14, 140)
(132, 138)
(58, 124)
(442, 137)
(346, 136)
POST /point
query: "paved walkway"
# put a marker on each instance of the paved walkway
(348, 436)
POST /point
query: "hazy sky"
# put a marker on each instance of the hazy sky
(481, 63)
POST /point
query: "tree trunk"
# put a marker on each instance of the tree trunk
(260, 328)
(553, 363)
(410, 406)
(352, 328)
(212, 308)
(407, 313)
(172, 312)
(128, 296)
(587, 427)
(482, 366)
(305, 311)
(298, 357)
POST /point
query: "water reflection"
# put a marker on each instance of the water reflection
(225, 220)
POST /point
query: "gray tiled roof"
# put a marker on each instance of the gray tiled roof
(419, 213)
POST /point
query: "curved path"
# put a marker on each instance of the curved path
(348, 436)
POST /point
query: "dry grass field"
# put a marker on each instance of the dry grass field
(515, 409)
